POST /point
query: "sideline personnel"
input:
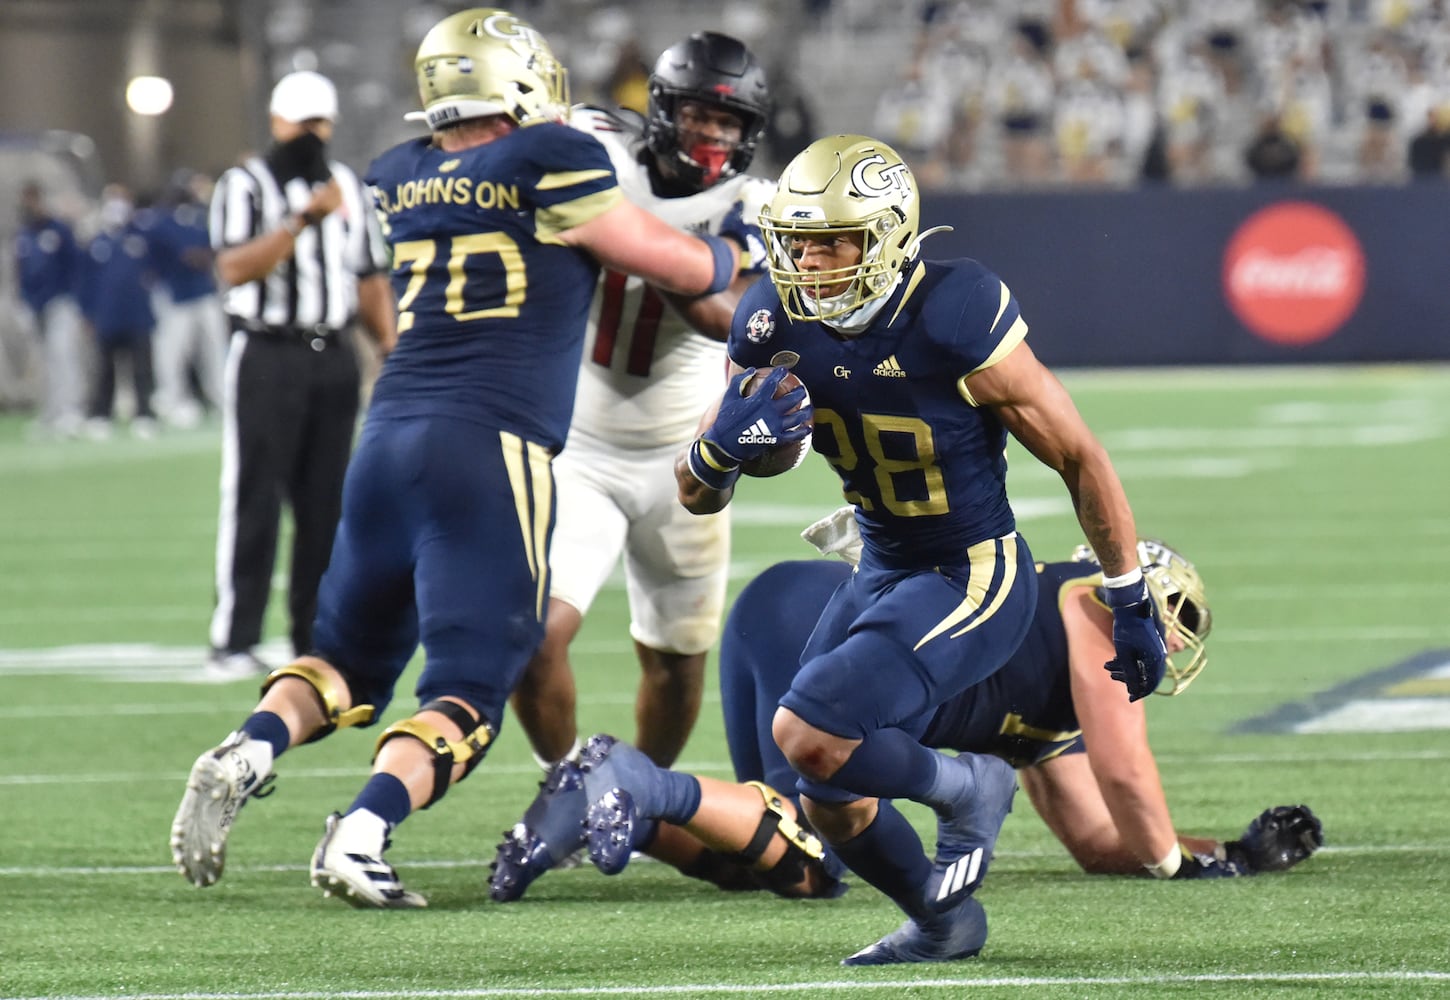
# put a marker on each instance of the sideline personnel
(299, 248)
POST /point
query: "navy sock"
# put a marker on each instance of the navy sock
(889, 764)
(644, 834)
(269, 728)
(386, 796)
(888, 854)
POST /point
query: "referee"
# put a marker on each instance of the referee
(299, 249)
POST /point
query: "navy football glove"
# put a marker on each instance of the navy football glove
(1141, 658)
(747, 234)
(1277, 840)
(747, 427)
(1208, 866)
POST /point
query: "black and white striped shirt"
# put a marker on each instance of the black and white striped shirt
(317, 285)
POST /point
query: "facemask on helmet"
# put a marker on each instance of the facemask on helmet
(842, 186)
(486, 61)
(715, 70)
(1177, 590)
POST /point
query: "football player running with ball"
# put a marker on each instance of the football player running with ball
(917, 371)
(649, 359)
(499, 222)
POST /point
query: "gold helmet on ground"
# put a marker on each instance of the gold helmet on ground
(840, 185)
(486, 61)
(1177, 590)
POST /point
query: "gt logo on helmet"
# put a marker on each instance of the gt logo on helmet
(892, 178)
(505, 26)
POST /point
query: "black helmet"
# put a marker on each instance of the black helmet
(714, 69)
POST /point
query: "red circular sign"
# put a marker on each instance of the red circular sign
(1293, 273)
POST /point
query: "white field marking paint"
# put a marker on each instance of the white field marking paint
(1221, 379)
(1301, 595)
(37, 456)
(1381, 715)
(722, 767)
(1330, 633)
(1205, 466)
(812, 986)
(1176, 439)
(457, 864)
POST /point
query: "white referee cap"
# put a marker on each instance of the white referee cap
(303, 96)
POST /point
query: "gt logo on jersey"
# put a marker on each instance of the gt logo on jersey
(893, 178)
(760, 327)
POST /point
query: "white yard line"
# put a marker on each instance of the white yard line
(800, 986)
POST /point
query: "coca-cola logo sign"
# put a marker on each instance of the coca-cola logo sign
(1293, 273)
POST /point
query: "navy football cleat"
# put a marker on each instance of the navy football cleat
(610, 824)
(968, 832)
(593, 758)
(943, 937)
(550, 832)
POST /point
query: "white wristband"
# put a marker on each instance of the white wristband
(1128, 579)
(1170, 864)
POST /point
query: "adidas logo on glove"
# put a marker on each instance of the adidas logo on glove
(757, 433)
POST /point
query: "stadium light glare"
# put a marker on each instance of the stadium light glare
(149, 95)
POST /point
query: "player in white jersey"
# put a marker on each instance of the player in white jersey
(649, 361)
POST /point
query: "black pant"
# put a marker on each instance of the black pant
(290, 410)
(136, 348)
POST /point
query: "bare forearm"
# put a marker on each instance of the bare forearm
(378, 310)
(255, 259)
(1103, 511)
(695, 496)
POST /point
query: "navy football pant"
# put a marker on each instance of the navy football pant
(444, 540)
(893, 645)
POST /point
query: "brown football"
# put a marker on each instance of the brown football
(782, 457)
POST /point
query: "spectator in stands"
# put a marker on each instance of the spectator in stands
(628, 82)
(1430, 147)
(116, 299)
(1191, 98)
(50, 263)
(913, 114)
(1021, 100)
(1274, 154)
(792, 124)
(1380, 91)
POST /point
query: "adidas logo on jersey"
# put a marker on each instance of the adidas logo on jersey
(889, 368)
(757, 433)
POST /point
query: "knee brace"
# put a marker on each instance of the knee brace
(324, 688)
(468, 751)
(801, 846)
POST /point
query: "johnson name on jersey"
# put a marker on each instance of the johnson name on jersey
(924, 467)
(491, 310)
(645, 372)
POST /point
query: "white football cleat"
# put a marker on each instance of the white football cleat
(349, 863)
(220, 783)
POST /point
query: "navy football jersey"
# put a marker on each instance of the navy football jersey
(1023, 712)
(925, 469)
(491, 308)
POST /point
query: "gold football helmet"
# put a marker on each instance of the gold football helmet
(486, 61)
(841, 185)
(1177, 590)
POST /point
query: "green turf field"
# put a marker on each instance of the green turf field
(1316, 503)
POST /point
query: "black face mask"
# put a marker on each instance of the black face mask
(304, 156)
